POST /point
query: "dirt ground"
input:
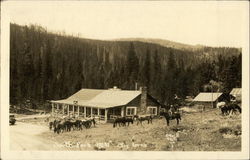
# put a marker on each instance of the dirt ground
(24, 136)
(198, 131)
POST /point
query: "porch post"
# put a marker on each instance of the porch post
(85, 112)
(98, 113)
(63, 109)
(78, 111)
(57, 106)
(68, 109)
(52, 105)
(106, 115)
(122, 111)
(91, 111)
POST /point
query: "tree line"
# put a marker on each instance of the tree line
(46, 66)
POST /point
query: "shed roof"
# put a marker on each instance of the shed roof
(236, 91)
(101, 98)
(207, 97)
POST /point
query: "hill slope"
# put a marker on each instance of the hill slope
(165, 43)
(46, 65)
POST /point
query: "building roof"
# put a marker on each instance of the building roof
(236, 91)
(207, 97)
(100, 98)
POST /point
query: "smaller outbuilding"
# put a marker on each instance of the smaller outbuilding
(208, 98)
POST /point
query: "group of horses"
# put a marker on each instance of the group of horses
(69, 124)
(125, 121)
(230, 108)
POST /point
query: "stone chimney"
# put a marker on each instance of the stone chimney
(143, 105)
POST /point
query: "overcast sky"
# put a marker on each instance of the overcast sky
(207, 23)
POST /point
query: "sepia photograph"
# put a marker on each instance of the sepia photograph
(132, 79)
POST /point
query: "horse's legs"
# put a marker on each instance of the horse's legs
(230, 112)
(177, 121)
(167, 122)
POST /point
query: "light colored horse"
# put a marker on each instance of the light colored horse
(221, 104)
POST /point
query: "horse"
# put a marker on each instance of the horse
(68, 125)
(77, 124)
(88, 123)
(58, 126)
(129, 120)
(141, 118)
(235, 107)
(230, 108)
(51, 124)
(174, 115)
(121, 121)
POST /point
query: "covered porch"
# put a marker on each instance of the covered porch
(74, 110)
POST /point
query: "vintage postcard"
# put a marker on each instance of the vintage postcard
(124, 80)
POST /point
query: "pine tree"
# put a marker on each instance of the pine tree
(169, 83)
(132, 67)
(232, 73)
(145, 77)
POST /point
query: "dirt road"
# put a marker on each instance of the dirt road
(24, 136)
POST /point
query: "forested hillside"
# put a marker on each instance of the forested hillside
(45, 66)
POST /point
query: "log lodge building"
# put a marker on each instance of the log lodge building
(107, 104)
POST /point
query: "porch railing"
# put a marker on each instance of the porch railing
(114, 116)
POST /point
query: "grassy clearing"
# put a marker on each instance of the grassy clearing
(200, 131)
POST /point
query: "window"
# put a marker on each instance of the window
(152, 110)
(95, 111)
(130, 111)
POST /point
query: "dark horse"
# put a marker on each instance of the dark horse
(172, 116)
(230, 108)
(121, 121)
(88, 123)
(142, 118)
(51, 124)
(58, 126)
